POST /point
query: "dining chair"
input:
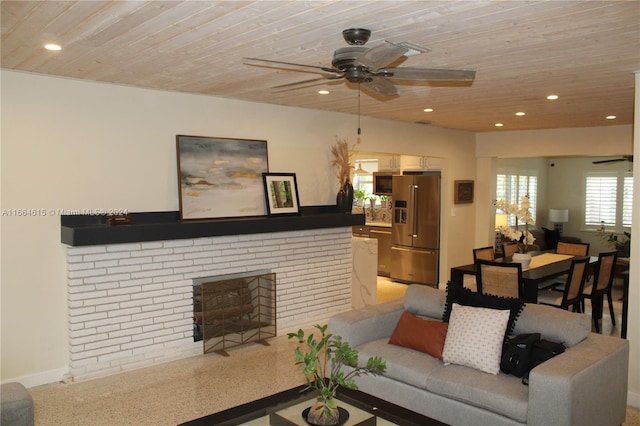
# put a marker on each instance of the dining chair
(484, 253)
(602, 284)
(573, 249)
(572, 294)
(499, 278)
(509, 248)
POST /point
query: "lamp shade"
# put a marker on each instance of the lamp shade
(501, 220)
(558, 215)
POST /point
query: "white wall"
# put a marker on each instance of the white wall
(69, 144)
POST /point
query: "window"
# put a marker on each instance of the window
(363, 177)
(604, 193)
(512, 187)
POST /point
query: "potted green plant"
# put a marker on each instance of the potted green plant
(359, 195)
(322, 361)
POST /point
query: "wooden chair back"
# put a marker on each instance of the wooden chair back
(484, 253)
(575, 284)
(499, 278)
(574, 249)
(605, 269)
(509, 248)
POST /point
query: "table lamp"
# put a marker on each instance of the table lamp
(558, 217)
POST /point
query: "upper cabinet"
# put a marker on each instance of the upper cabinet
(389, 163)
(410, 163)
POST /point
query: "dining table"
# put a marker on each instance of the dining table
(544, 266)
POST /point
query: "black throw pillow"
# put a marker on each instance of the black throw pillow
(551, 238)
(464, 296)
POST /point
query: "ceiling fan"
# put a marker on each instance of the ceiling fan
(628, 158)
(369, 66)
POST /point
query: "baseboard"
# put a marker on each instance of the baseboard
(633, 399)
(39, 379)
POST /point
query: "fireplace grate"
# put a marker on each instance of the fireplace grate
(235, 311)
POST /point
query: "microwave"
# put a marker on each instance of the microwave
(382, 183)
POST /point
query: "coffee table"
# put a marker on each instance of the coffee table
(285, 408)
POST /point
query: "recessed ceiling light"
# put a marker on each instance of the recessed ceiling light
(323, 92)
(428, 110)
(499, 124)
(519, 113)
(52, 46)
(552, 97)
(611, 117)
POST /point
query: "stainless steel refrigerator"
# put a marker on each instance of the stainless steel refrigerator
(415, 251)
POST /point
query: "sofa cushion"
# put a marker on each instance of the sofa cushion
(425, 301)
(501, 393)
(475, 337)
(546, 320)
(464, 296)
(403, 364)
(420, 334)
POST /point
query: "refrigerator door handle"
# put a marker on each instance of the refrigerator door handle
(413, 206)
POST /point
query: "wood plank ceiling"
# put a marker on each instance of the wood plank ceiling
(584, 51)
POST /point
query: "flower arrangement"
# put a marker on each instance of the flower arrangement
(523, 215)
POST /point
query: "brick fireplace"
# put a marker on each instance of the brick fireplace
(131, 304)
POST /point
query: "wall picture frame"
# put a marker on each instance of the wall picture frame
(463, 191)
(281, 193)
(220, 177)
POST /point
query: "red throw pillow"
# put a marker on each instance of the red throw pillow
(420, 334)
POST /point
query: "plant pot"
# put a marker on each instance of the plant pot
(312, 416)
(523, 258)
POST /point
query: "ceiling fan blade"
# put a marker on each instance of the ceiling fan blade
(433, 74)
(325, 69)
(380, 55)
(329, 77)
(614, 160)
(299, 82)
(381, 86)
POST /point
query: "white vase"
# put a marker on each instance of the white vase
(524, 258)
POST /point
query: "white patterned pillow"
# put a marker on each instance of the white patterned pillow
(475, 337)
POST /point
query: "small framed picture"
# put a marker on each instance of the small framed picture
(281, 191)
(463, 191)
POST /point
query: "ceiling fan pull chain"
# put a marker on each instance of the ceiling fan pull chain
(359, 131)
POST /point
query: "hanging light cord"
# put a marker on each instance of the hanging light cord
(359, 131)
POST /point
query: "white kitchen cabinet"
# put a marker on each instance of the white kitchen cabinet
(389, 163)
(410, 163)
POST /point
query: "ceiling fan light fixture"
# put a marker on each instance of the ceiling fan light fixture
(356, 36)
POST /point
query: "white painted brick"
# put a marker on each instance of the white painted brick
(151, 245)
(74, 319)
(86, 273)
(106, 278)
(75, 251)
(151, 252)
(313, 264)
(81, 289)
(124, 247)
(107, 300)
(135, 261)
(105, 256)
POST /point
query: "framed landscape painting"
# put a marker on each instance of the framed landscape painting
(281, 192)
(220, 178)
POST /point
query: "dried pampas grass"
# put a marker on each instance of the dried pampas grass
(342, 160)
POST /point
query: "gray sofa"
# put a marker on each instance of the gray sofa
(585, 385)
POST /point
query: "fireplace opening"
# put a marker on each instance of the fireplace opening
(231, 310)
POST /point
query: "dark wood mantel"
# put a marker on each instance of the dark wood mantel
(88, 230)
